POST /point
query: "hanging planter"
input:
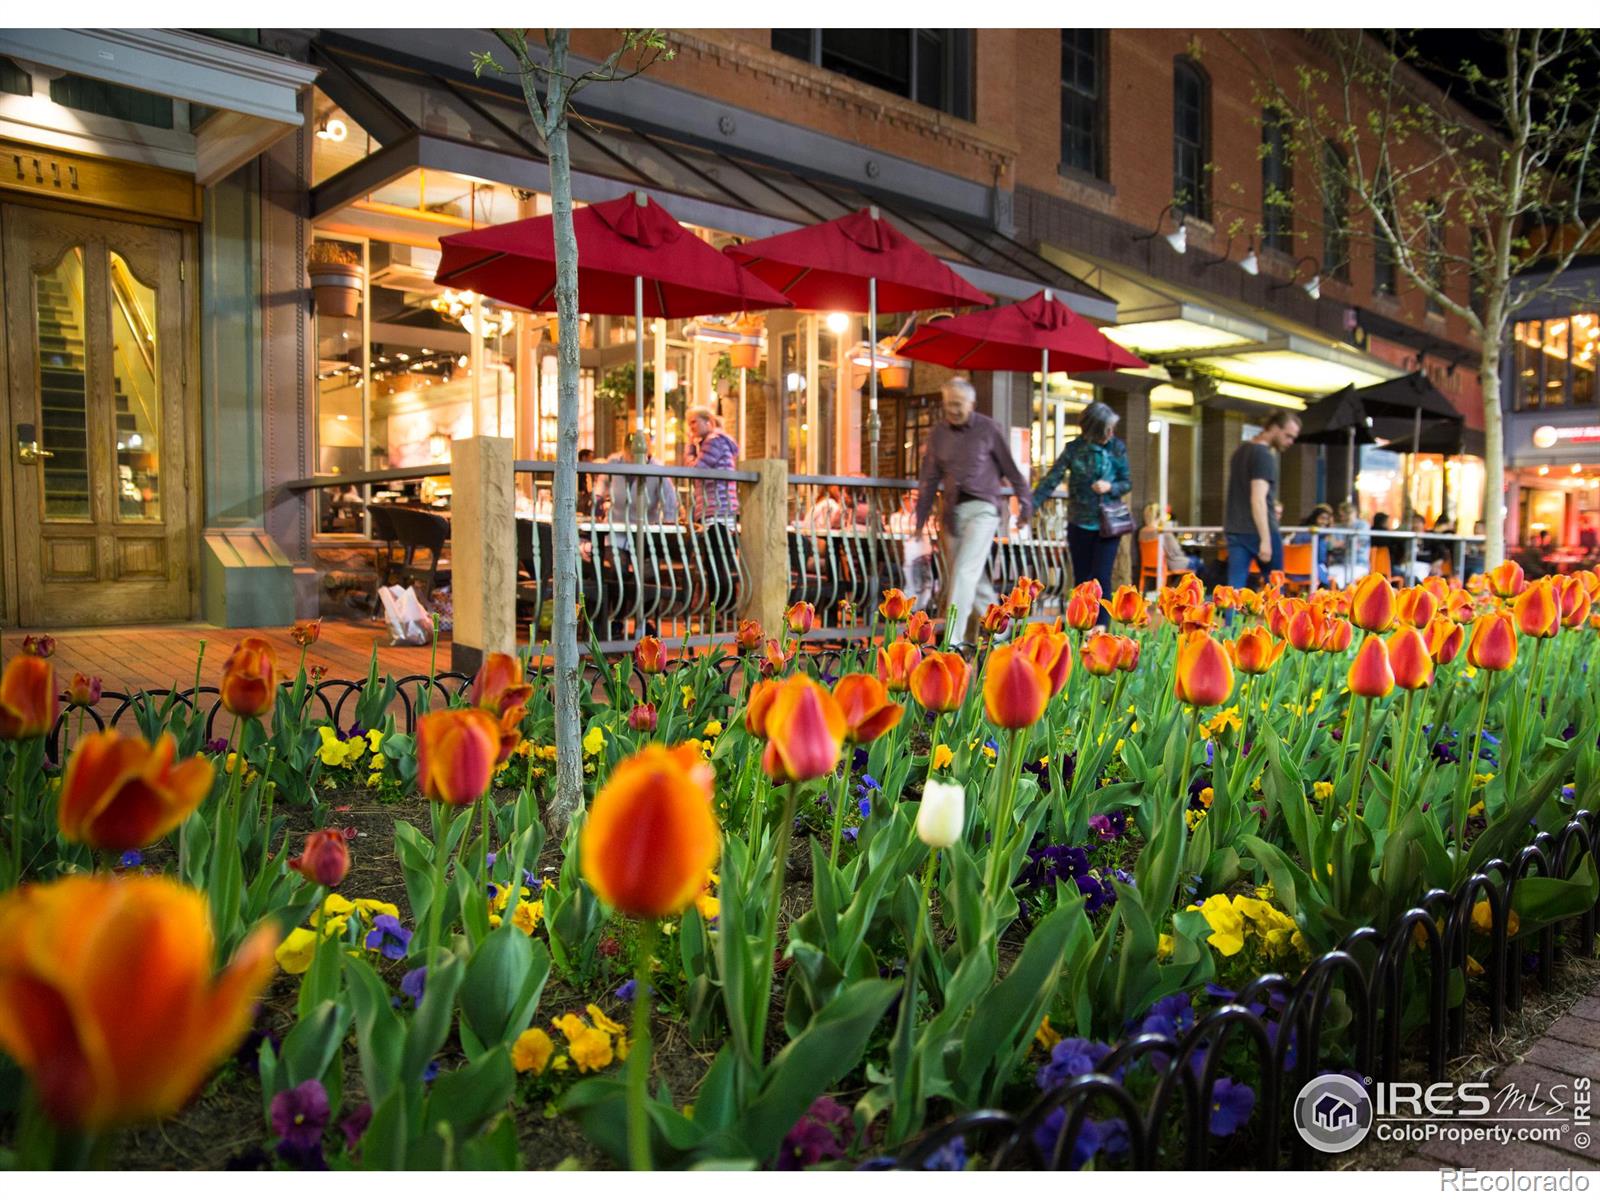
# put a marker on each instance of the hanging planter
(895, 377)
(745, 355)
(336, 279)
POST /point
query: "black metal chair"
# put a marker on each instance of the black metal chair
(417, 530)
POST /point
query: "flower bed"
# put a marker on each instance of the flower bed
(1075, 896)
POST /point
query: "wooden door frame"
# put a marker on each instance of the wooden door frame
(193, 482)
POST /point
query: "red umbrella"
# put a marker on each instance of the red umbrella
(1038, 331)
(633, 259)
(857, 262)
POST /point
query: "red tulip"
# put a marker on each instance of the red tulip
(774, 658)
(1493, 645)
(1416, 606)
(1254, 651)
(896, 661)
(939, 681)
(868, 711)
(84, 690)
(1082, 612)
(1280, 613)
(1445, 639)
(1507, 579)
(1204, 673)
(801, 618)
(1575, 600)
(250, 678)
(1015, 688)
(306, 633)
(1337, 636)
(28, 702)
(649, 656)
(1537, 610)
(1128, 607)
(750, 636)
(919, 628)
(642, 718)
(1372, 604)
(120, 793)
(1370, 673)
(1099, 653)
(1409, 658)
(325, 859)
(805, 731)
(996, 619)
(896, 605)
(1128, 654)
(1305, 629)
(498, 686)
(1048, 646)
(757, 704)
(1460, 605)
(457, 751)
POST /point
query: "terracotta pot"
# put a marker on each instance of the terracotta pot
(337, 287)
(895, 377)
(745, 355)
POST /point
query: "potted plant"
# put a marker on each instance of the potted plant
(335, 278)
(746, 353)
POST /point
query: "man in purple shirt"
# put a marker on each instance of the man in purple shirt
(711, 448)
(968, 460)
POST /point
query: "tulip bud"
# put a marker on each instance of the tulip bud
(1575, 600)
(120, 793)
(1048, 646)
(306, 633)
(649, 656)
(942, 815)
(1337, 636)
(996, 619)
(1255, 650)
(939, 681)
(1507, 579)
(775, 658)
(1204, 674)
(896, 605)
(250, 678)
(1493, 645)
(1409, 659)
(750, 636)
(896, 661)
(1082, 612)
(919, 628)
(1015, 688)
(801, 618)
(1445, 639)
(1225, 597)
(805, 731)
(1128, 654)
(28, 701)
(40, 645)
(457, 751)
(868, 712)
(1370, 674)
(325, 859)
(1416, 606)
(1460, 606)
(756, 705)
(642, 718)
(84, 690)
(498, 686)
(1372, 604)
(1099, 653)
(1537, 610)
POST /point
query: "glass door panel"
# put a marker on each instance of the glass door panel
(63, 387)
(136, 395)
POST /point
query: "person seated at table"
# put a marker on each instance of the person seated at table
(1320, 517)
(1349, 555)
(827, 513)
(650, 500)
(1155, 529)
(1432, 556)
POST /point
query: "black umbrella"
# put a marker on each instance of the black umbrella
(1449, 438)
(1351, 415)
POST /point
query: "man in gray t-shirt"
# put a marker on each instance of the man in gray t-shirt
(1250, 519)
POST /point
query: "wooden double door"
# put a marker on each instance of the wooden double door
(100, 442)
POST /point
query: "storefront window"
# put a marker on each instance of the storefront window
(1585, 351)
(1555, 360)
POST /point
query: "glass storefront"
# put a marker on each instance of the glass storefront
(1554, 361)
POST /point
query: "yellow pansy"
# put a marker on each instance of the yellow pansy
(708, 906)
(602, 1022)
(1483, 920)
(1164, 944)
(590, 1049)
(713, 728)
(943, 756)
(372, 909)
(1321, 790)
(1227, 925)
(531, 1052)
(688, 697)
(527, 916)
(374, 739)
(1207, 796)
(1045, 1035)
(1481, 780)
(594, 741)
(295, 951)
(375, 779)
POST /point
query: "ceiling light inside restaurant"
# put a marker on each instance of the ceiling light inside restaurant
(838, 322)
(795, 381)
(333, 130)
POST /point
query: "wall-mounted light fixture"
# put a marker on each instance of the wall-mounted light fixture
(1311, 287)
(1178, 239)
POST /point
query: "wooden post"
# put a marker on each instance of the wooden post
(764, 542)
(483, 550)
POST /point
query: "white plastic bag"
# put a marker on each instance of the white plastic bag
(408, 620)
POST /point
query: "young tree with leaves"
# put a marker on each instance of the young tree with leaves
(549, 83)
(1517, 177)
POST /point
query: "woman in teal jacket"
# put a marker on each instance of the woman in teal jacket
(1096, 466)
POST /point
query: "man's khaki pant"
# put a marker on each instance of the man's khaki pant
(964, 546)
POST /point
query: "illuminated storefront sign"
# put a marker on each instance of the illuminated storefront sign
(1547, 436)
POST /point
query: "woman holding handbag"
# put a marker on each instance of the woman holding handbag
(1098, 517)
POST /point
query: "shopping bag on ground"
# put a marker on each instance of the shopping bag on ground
(408, 620)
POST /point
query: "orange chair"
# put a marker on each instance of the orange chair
(1380, 561)
(1153, 570)
(1297, 565)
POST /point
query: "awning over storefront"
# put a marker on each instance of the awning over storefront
(420, 116)
(247, 99)
(1255, 357)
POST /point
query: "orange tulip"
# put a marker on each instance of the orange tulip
(805, 731)
(1247, 599)
(1478, 584)
(119, 793)
(774, 658)
(1372, 604)
(1048, 646)
(1371, 674)
(1409, 658)
(84, 690)
(1493, 644)
(1537, 610)
(1445, 639)
(1225, 597)
(939, 681)
(801, 618)
(1099, 653)
(919, 628)
(28, 701)
(457, 751)
(649, 656)
(1204, 673)
(868, 711)
(757, 704)
(1575, 600)
(750, 636)
(1202, 617)
(1590, 581)
(107, 998)
(1416, 606)
(325, 859)
(498, 686)
(996, 619)
(1015, 688)
(250, 678)
(1254, 651)
(1507, 579)
(651, 834)
(1337, 636)
(896, 661)
(1083, 612)
(1460, 605)
(896, 605)
(1128, 607)
(306, 633)
(1128, 654)
(1020, 601)
(1306, 628)
(1189, 588)
(1280, 613)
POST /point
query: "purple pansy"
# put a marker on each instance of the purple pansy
(389, 938)
(1231, 1106)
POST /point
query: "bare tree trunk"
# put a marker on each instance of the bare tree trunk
(1494, 454)
(564, 621)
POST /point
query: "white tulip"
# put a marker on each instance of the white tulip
(942, 815)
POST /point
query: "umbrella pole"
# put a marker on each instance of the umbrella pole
(1350, 469)
(1044, 401)
(872, 378)
(743, 435)
(640, 447)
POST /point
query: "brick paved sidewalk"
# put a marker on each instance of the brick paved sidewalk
(1568, 1051)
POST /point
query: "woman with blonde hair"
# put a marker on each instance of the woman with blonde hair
(1155, 529)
